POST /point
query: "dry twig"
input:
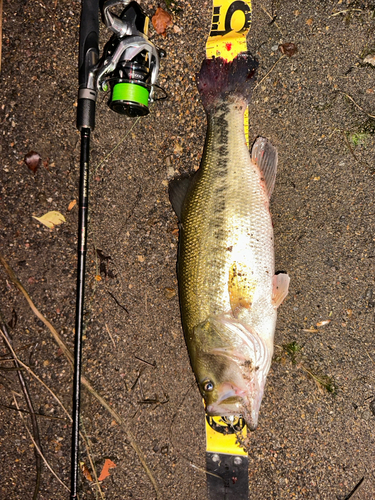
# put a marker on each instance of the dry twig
(110, 335)
(86, 441)
(345, 12)
(30, 371)
(85, 382)
(38, 449)
(38, 314)
(27, 368)
(270, 71)
(272, 19)
(26, 393)
(355, 104)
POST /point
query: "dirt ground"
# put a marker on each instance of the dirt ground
(316, 437)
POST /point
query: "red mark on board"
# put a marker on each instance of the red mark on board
(228, 46)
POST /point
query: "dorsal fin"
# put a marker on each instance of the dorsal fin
(265, 156)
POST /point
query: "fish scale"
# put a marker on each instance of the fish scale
(226, 198)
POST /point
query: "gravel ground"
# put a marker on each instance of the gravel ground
(316, 435)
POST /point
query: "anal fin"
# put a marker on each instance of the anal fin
(265, 156)
(280, 288)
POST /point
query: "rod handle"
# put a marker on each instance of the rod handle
(88, 57)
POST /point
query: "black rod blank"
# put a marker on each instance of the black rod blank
(81, 268)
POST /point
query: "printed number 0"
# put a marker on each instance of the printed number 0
(236, 6)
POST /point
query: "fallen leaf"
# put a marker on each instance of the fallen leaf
(322, 323)
(85, 471)
(370, 59)
(289, 49)
(72, 204)
(309, 22)
(169, 293)
(33, 160)
(58, 445)
(161, 20)
(178, 149)
(108, 464)
(51, 219)
(140, 258)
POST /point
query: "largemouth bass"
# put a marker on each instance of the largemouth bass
(228, 289)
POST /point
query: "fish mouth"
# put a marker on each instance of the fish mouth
(228, 407)
(229, 400)
(239, 401)
(251, 411)
(239, 407)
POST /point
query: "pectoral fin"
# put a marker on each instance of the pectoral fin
(280, 288)
(241, 287)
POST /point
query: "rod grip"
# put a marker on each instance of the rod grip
(88, 35)
(88, 57)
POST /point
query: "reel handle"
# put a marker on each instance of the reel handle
(88, 58)
(114, 22)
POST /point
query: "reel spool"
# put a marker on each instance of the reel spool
(129, 66)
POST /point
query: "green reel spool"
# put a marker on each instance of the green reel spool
(129, 99)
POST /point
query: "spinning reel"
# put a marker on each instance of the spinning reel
(129, 66)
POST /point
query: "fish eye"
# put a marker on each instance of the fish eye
(208, 386)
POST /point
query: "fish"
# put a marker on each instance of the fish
(228, 290)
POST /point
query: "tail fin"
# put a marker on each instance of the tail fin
(218, 79)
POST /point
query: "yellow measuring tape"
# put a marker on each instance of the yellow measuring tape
(222, 435)
(231, 23)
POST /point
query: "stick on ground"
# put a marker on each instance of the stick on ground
(26, 393)
(84, 380)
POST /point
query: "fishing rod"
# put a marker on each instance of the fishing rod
(88, 58)
(128, 71)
